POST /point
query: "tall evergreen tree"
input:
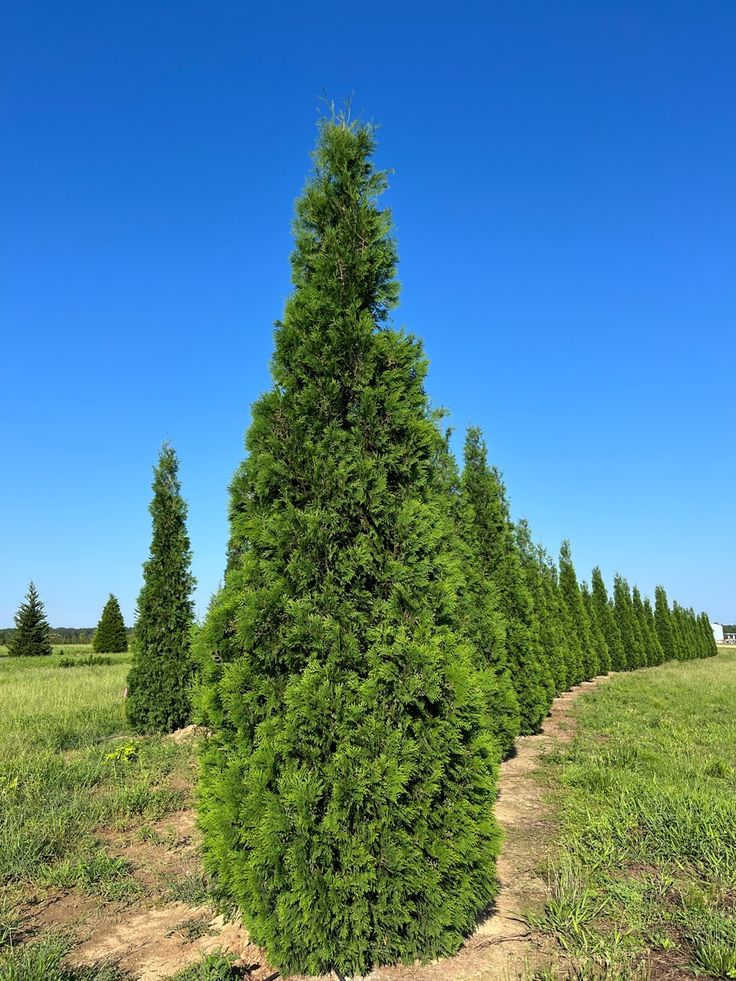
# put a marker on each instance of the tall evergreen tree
(32, 633)
(578, 622)
(608, 623)
(161, 671)
(648, 654)
(597, 635)
(541, 579)
(663, 623)
(655, 645)
(624, 613)
(347, 782)
(500, 562)
(480, 620)
(110, 636)
(710, 648)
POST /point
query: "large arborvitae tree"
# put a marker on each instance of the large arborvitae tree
(347, 779)
(160, 676)
(111, 636)
(500, 562)
(479, 617)
(607, 621)
(32, 635)
(541, 578)
(586, 664)
(598, 637)
(663, 623)
(628, 624)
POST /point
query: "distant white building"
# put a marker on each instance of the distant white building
(717, 632)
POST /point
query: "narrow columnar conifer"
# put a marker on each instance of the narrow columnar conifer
(653, 640)
(596, 630)
(641, 626)
(630, 631)
(541, 580)
(160, 678)
(32, 635)
(110, 636)
(663, 623)
(710, 648)
(500, 562)
(480, 620)
(606, 618)
(578, 620)
(347, 780)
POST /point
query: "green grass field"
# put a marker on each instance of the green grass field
(69, 767)
(643, 883)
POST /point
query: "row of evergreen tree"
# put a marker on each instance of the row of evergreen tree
(534, 625)
(384, 633)
(385, 630)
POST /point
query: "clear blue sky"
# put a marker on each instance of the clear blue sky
(565, 204)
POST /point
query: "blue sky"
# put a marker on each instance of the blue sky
(565, 206)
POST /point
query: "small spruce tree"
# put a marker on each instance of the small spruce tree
(160, 678)
(110, 636)
(347, 781)
(32, 635)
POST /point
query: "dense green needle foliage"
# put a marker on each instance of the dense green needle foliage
(110, 636)
(604, 613)
(347, 784)
(585, 660)
(663, 623)
(161, 672)
(32, 633)
(541, 578)
(493, 538)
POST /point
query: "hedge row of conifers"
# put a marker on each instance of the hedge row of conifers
(385, 631)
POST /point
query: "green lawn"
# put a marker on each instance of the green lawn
(68, 766)
(644, 879)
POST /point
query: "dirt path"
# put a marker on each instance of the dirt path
(153, 943)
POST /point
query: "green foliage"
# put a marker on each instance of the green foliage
(91, 660)
(491, 536)
(212, 967)
(111, 636)
(630, 633)
(598, 638)
(161, 673)
(347, 782)
(541, 578)
(32, 633)
(604, 613)
(585, 663)
(663, 623)
(479, 617)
